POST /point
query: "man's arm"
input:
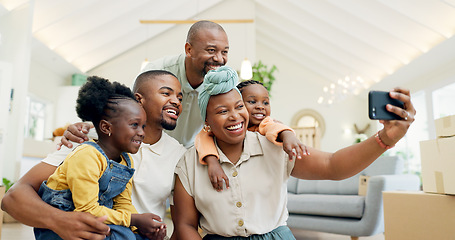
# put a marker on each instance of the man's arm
(76, 132)
(24, 204)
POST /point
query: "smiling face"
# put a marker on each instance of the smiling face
(257, 102)
(227, 117)
(161, 98)
(127, 126)
(208, 50)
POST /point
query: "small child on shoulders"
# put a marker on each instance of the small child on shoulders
(257, 102)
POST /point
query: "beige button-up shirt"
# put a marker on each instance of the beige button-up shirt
(256, 201)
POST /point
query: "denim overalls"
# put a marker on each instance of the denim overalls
(112, 183)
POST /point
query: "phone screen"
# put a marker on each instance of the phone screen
(377, 101)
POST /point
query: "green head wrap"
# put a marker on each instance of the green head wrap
(221, 80)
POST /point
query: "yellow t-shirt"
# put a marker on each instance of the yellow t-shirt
(80, 173)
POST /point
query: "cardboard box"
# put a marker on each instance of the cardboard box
(363, 185)
(438, 165)
(445, 127)
(418, 216)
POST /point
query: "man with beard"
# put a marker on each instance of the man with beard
(160, 95)
(206, 48)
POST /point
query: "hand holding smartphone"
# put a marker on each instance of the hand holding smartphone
(377, 101)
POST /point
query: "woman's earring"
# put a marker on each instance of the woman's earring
(206, 128)
(109, 134)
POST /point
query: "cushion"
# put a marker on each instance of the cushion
(385, 165)
(347, 186)
(292, 184)
(351, 206)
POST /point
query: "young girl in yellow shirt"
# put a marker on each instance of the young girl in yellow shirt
(96, 176)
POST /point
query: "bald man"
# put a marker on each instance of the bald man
(206, 48)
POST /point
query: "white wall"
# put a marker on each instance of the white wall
(15, 50)
(65, 107)
(44, 83)
(44, 87)
(51, 86)
(5, 90)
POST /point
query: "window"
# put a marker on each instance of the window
(443, 101)
(35, 120)
(309, 127)
(409, 146)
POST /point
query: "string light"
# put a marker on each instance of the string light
(335, 92)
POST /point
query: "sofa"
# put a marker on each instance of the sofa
(335, 206)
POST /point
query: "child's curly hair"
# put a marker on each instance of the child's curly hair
(243, 84)
(99, 97)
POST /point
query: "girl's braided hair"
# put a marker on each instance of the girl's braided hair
(99, 98)
(243, 84)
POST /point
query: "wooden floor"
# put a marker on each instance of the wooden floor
(17, 231)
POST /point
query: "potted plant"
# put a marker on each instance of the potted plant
(264, 74)
(7, 185)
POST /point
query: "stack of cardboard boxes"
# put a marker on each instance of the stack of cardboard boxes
(429, 214)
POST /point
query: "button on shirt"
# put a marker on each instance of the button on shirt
(190, 121)
(256, 201)
(153, 179)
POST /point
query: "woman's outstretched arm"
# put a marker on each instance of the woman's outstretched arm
(349, 161)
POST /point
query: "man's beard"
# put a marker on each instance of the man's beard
(204, 72)
(168, 125)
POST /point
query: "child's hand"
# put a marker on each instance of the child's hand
(149, 225)
(292, 145)
(216, 173)
(159, 235)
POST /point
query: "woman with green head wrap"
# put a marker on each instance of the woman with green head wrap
(219, 81)
(256, 101)
(254, 207)
(256, 201)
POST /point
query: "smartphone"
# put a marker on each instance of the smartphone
(377, 101)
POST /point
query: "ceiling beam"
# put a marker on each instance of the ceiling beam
(189, 21)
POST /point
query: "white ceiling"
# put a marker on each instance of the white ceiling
(331, 38)
(88, 33)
